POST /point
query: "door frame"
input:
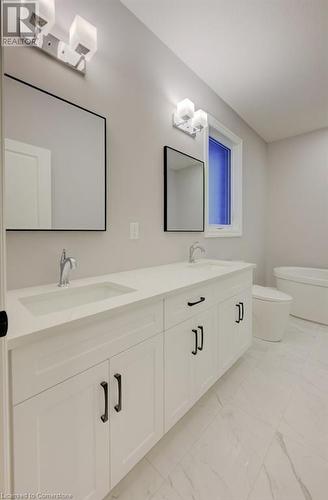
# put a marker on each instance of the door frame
(5, 483)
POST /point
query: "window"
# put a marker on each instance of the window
(223, 155)
(219, 183)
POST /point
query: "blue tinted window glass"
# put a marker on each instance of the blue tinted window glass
(219, 183)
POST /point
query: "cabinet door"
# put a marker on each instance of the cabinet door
(61, 443)
(180, 350)
(227, 321)
(244, 327)
(205, 370)
(136, 412)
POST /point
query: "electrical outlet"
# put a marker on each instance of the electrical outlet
(134, 230)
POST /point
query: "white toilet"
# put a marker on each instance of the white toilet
(271, 309)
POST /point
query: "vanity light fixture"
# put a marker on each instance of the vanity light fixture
(82, 37)
(187, 119)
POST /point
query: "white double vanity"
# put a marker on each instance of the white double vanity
(101, 370)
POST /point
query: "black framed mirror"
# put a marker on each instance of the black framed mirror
(184, 192)
(55, 162)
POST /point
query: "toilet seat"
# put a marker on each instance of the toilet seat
(270, 294)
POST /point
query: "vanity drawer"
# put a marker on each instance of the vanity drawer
(75, 347)
(229, 286)
(184, 305)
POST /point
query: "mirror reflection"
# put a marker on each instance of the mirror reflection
(55, 162)
(184, 192)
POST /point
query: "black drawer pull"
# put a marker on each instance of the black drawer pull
(242, 310)
(118, 407)
(104, 417)
(202, 299)
(202, 338)
(3, 323)
(194, 352)
(239, 316)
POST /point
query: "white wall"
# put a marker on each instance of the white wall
(135, 80)
(298, 202)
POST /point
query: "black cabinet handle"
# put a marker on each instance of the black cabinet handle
(118, 407)
(242, 310)
(239, 316)
(104, 417)
(202, 299)
(194, 352)
(202, 338)
(3, 323)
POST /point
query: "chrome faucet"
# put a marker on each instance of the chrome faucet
(66, 264)
(195, 246)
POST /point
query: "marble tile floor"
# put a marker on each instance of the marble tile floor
(260, 433)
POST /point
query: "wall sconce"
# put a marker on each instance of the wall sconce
(187, 119)
(82, 37)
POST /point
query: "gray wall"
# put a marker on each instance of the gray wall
(298, 202)
(135, 80)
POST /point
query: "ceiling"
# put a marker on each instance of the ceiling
(268, 59)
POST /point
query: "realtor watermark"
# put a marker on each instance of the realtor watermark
(18, 27)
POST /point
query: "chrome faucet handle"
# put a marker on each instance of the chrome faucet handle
(66, 264)
(63, 255)
(195, 246)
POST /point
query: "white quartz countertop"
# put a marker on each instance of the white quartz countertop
(147, 283)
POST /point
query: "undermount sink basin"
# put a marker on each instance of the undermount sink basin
(66, 298)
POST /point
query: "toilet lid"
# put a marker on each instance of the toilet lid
(271, 294)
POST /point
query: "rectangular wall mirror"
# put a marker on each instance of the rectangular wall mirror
(183, 192)
(55, 162)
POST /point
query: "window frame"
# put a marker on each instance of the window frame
(235, 143)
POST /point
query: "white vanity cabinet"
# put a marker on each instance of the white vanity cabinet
(136, 404)
(61, 438)
(206, 358)
(91, 396)
(234, 329)
(190, 364)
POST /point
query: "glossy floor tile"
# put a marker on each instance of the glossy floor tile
(291, 472)
(225, 461)
(260, 433)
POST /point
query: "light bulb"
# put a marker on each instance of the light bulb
(199, 120)
(185, 110)
(83, 37)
